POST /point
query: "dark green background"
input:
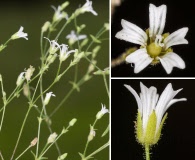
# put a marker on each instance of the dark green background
(21, 53)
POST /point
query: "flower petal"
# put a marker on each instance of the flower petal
(165, 101)
(174, 101)
(139, 103)
(140, 58)
(132, 33)
(157, 19)
(177, 37)
(171, 60)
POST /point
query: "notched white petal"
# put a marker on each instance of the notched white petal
(171, 60)
(176, 38)
(140, 58)
(157, 19)
(136, 96)
(132, 33)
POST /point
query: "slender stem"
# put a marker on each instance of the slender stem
(62, 102)
(1, 156)
(39, 130)
(44, 148)
(106, 85)
(147, 151)
(41, 45)
(2, 118)
(41, 155)
(86, 146)
(21, 130)
(23, 152)
(98, 150)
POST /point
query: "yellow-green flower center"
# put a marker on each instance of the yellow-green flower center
(154, 50)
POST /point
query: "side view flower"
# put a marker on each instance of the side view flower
(151, 112)
(155, 46)
(87, 7)
(20, 34)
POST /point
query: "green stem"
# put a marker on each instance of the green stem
(106, 85)
(23, 152)
(62, 102)
(1, 156)
(86, 146)
(21, 130)
(2, 118)
(98, 150)
(147, 151)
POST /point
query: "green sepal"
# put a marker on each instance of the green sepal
(150, 129)
(158, 134)
(95, 40)
(139, 129)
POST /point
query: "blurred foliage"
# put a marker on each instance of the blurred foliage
(21, 54)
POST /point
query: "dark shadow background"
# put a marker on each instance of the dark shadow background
(179, 14)
(20, 54)
(178, 134)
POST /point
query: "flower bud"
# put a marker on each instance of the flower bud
(20, 79)
(52, 138)
(47, 98)
(63, 156)
(45, 26)
(29, 73)
(91, 134)
(72, 122)
(34, 142)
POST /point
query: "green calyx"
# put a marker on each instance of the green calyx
(149, 136)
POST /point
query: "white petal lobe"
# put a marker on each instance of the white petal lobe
(171, 60)
(140, 58)
(139, 103)
(177, 37)
(132, 33)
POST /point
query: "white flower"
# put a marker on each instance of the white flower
(64, 53)
(150, 103)
(59, 14)
(52, 138)
(29, 73)
(102, 112)
(54, 46)
(20, 34)
(87, 7)
(155, 46)
(20, 79)
(47, 98)
(73, 37)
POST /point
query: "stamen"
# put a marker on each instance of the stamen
(158, 41)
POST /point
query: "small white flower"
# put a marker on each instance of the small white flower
(47, 98)
(64, 53)
(54, 46)
(149, 102)
(155, 46)
(29, 73)
(102, 112)
(20, 79)
(59, 14)
(73, 37)
(20, 34)
(52, 138)
(87, 7)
